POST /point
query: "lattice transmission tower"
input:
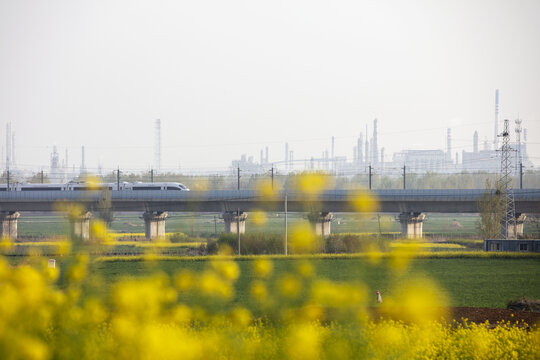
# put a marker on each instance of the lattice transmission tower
(505, 181)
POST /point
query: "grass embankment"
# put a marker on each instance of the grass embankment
(196, 224)
(470, 280)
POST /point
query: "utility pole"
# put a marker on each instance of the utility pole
(42, 176)
(215, 225)
(369, 176)
(118, 178)
(404, 177)
(238, 187)
(272, 172)
(7, 172)
(286, 224)
(152, 175)
(238, 229)
(521, 175)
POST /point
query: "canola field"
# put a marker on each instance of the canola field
(256, 308)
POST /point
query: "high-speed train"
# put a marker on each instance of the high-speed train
(81, 186)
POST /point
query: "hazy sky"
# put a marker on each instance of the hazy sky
(231, 77)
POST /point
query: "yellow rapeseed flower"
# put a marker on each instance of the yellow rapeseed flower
(304, 341)
(259, 218)
(289, 286)
(302, 239)
(258, 290)
(262, 267)
(312, 184)
(213, 285)
(264, 188)
(228, 269)
(364, 202)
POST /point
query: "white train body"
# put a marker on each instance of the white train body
(124, 186)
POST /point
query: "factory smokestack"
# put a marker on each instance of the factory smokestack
(374, 145)
(367, 146)
(13, 149)
(496, 130)
(360, 156)
(475, 142)
(83, 165)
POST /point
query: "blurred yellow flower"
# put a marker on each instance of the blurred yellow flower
(264, 188)
(364, 202)
(211, 284)
(289, 286)
(262, 267)
(258, 290)
(228, 269)
(305, 268)
(304, 342)
(185, 280)
(302, 239)
(258, 217)
(417, 300)
(312, 184)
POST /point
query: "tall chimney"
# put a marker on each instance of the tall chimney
(367, 147)
(266, 156)
(475, 142)
(83, 165)
(360, 156)
(13, 149)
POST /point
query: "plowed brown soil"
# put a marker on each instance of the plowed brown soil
(479, 315)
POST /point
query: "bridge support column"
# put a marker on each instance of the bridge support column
(80, 225)
(235, 221)
(154, 224)
(321, 222)
(8, 224)
(516, 230)
(411, 224)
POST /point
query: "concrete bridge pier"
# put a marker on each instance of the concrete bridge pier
(154, 224)
(8, 224)
(411, 224)
(321, 222)
(235, 221)
(80, 225)
(516, 230)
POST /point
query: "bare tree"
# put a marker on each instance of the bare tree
(491, 210)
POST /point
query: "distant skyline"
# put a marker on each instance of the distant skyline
(230, 78)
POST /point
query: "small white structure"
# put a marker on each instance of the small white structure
(51, 263)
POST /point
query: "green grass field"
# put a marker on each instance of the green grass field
(197, 224)
(482, 282)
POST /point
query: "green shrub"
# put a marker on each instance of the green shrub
(354, 243)
(252, 244)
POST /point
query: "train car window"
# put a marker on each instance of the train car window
(146, 188)
(41, 189)
(3, 189)
(173, 188)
